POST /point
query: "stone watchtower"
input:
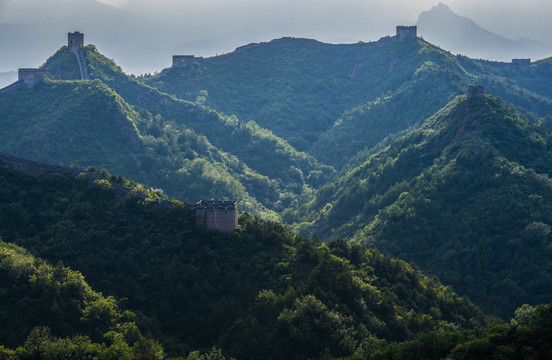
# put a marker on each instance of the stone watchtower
(182, 59)
(31, 76)
(75, 42)
(475, 90)
(522, 63)
(217, 215)
(407, 33)
(75, 39)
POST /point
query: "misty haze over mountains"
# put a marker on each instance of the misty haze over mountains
(460, 35)
(141, 44)
(138, 44)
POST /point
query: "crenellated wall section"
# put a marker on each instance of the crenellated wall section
(43, 170)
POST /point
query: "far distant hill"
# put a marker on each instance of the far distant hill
(7, 78)
(461, 35)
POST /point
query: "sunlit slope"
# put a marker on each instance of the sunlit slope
(466, 197)
(258, 293)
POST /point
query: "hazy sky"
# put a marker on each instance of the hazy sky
(347, 18)
(166, 27)
(330, 20)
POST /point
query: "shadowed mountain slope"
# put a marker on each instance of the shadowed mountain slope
(260, 292)
(466, 197)
(333, 101)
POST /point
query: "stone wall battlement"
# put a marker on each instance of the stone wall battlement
(407, 32)
(75, 39)
(43, 170)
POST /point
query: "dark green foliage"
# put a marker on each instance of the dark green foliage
(261, 292)
(258, 148)
(466, 197)
(298, 88)
(189, 151)
(44, 307)
(333, 101)
(125, 343)
(530, 339)
(37, 294)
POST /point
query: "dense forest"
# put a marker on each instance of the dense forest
(333, 101)
(404, 202)
(466, 197)
(87, 123)
(261, 292)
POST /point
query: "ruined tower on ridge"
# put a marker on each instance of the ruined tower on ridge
(522, 63)
(217, 215)
(183, 59)
(407, 33)
(75, 39)
(30, 76)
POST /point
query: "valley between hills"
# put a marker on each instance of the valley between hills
(385, 213)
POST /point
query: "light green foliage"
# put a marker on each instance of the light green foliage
(523, 315)
(118, 123)
(41, 299)
(530, 340)
(261, 292)
(466, 196)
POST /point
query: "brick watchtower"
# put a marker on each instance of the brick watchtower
(75, 39)
(183, 60)
(31, 76)
(407, 33)
(522, 63)
(217, 215)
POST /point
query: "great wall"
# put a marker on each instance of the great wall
(43, 170)
(210, 215)
(221, 216)
(75, 42)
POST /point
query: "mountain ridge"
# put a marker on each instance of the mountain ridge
(270, 83)
(251, 292)
(458, 185)
(235, 142)
(457, 171)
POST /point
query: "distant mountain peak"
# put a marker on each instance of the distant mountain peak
(442, 26)
(441, 7)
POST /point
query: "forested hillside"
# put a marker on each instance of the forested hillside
(50, 312)
(298, 88)
(258, 148)
(89, 123)
(357, 147)
(466, 197)
(261, 292)
(527, 336)
(334, 100)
